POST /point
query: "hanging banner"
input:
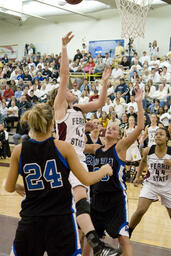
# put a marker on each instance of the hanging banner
(104, 46)
(10, 50)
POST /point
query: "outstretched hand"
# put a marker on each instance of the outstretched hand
(106, 73)
(138, 95)
(66, 39)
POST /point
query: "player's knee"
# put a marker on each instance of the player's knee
(124, 241)
(82, 207)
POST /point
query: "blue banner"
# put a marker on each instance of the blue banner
(104, 46)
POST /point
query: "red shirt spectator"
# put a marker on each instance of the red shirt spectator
(95, 96)
(8, 93)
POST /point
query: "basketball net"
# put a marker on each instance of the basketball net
(133, 14)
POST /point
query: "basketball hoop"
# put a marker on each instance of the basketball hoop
(133, 14)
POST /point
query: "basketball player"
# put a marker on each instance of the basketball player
(150, 131)
(158, 179)
(70, 127)
(133, 155)
(109, 201)
(47, 217)
(93, 138)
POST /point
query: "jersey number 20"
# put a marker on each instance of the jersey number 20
(34, 178)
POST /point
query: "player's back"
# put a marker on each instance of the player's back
(45, 174)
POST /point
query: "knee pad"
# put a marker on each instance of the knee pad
(128, 163)
(136, 163)
(82, 206)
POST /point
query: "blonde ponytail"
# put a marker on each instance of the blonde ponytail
(39, 118)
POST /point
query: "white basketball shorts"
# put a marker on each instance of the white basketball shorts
(153, 192)
(133, 154)
(73, 179)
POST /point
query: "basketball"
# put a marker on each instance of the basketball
(73, 1)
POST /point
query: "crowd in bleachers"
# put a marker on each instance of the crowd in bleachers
(29, 80)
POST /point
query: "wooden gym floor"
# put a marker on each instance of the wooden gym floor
(151, 237)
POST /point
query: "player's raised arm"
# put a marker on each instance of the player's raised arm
(100, 102)
(125, 143)
(60, 99)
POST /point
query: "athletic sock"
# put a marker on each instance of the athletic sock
(130, 232)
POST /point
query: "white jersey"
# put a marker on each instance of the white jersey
(158, 173)
(128, 132)
(151, 135)
(72, 129)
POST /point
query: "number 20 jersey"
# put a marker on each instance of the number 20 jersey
(45, 174)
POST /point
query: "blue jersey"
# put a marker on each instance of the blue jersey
(45, 174)
(90, 157)
(105, 191)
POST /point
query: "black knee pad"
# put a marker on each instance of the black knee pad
(136, 163)
(128, 163)
(82, 206)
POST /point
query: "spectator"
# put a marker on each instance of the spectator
(23, 105)
(12, 116)
(131, 112)
(107, 60)
(5, 59)
(84, 49)
(26, 76)
(4, 144)
(33, 99)
(75, 90)
(21, 133)
(119, 108)
(123, 88)
(99, 66)
(104, 120)
(132, 103)
(117, 72)
(144, 58)
(114, 120)
(95, 96)
(154, 49)
(125, 63)
(85, 83)
(78, 55)
(18, 93)
(107, 105)
(119, 96)
(84, 97)
(119, 50)
(39, 77)
(8, 93)
(46, 73)
(161, 94)
(124, 123)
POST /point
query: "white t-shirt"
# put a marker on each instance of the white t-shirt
(164, 119)
(117, 73)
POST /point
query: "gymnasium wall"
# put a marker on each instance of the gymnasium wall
(45, 35)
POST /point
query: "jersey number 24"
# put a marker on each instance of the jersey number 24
(34, 179)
